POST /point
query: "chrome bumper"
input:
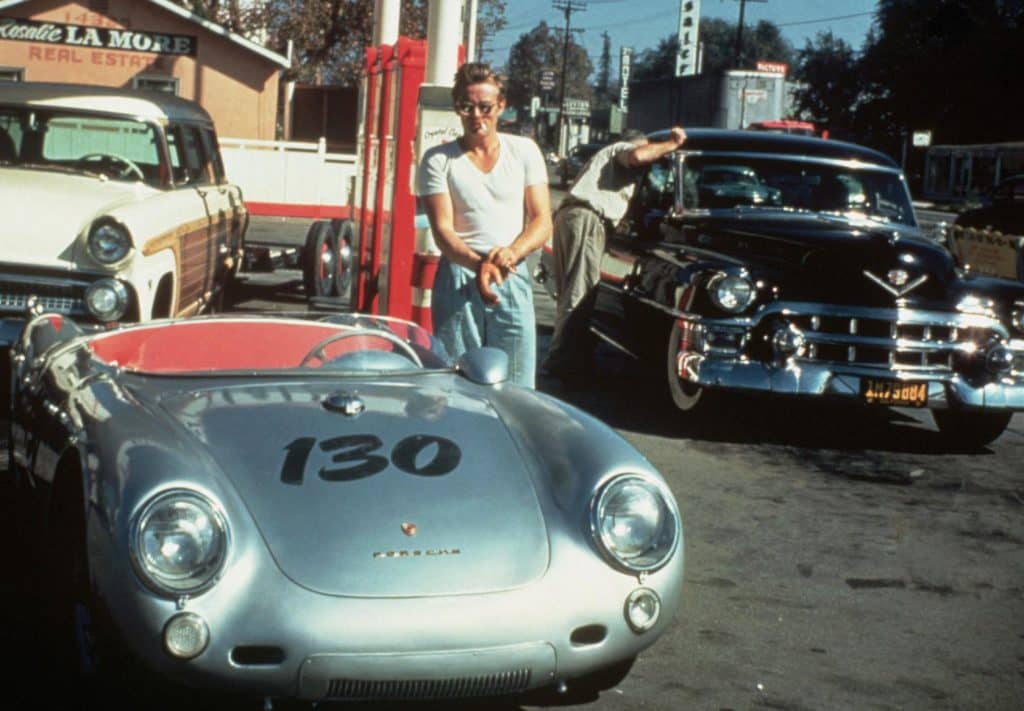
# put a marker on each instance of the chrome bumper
(841, 346)
(817, 379)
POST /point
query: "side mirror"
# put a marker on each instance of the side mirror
(486, 366)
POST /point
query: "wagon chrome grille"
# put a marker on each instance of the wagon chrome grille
(61, 294)
(510, 682)
(68, 305)
(885, 341)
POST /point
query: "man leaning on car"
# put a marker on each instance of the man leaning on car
(598, 199)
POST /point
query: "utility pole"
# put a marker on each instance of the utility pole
(739, 32)
(568, 7)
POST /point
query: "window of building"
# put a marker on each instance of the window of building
(12, 74)
(156, 83)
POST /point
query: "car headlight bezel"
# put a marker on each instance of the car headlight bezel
(114, 290)
(109, 242)
(732, 293)
(205, 570)
(662, 542)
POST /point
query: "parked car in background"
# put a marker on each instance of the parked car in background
(990, 239)
(1002, 209)
(325, 507)
(829, 290)
(798, 128)
(731, 185)
(576, 160)
(122, 211)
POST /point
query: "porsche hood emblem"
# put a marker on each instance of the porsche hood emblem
(423, 553)
(409, 529)
(897, 282)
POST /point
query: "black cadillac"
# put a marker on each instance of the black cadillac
(807, 277)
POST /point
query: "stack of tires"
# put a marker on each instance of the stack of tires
(329, 259)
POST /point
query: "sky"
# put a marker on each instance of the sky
(641, 24)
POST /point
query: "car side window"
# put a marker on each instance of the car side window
(10, 137)
(212, 149)
(188, 159)
(655, 196)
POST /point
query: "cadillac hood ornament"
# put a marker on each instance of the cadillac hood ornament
(897, 281)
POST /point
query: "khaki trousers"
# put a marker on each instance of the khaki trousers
(579, 239)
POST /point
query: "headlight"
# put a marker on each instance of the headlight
(106, 299)
(179, 542)
(1017, 316)
(635, 523)
(109, 243)
(731, 293)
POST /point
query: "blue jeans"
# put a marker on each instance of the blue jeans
(462, 320)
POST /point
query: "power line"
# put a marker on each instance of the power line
(824, 19)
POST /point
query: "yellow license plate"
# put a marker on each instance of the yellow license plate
(894, 393)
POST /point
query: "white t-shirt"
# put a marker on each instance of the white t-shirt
(605, 184)
(488, 207)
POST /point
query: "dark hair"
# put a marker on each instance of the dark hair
(475, 73)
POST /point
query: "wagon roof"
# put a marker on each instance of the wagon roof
(153, 105)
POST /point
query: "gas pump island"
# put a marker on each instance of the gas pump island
(384, 258)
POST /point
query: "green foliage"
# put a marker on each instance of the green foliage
(831, 85)
(717, 39)
(656, 63)
(539, 49)
(948, 66)
(329, 36)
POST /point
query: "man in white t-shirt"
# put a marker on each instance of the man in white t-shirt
(486, 196)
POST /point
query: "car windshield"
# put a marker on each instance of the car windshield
(341, 344)
(119, 148)
(839, 187)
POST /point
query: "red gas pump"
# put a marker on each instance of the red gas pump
(396, 262)
(366, 192)
(388, 206)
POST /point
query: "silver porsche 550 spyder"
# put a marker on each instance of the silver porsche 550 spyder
(324, 508)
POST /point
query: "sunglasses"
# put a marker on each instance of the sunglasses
(465, 108)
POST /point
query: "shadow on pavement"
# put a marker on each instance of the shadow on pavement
(640, 403)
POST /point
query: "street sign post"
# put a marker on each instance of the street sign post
(922, 139)
(547, 79)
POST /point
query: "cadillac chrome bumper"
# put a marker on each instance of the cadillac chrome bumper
(962, 359)
(817, 379)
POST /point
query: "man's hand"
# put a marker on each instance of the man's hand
(677, 135)
(489, 273)
(504, 258)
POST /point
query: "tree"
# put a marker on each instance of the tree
(717, 38)
(539, 49)
(329, 37)
(229, 13)
(946, 65)
(656, 63)
(831, 88)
